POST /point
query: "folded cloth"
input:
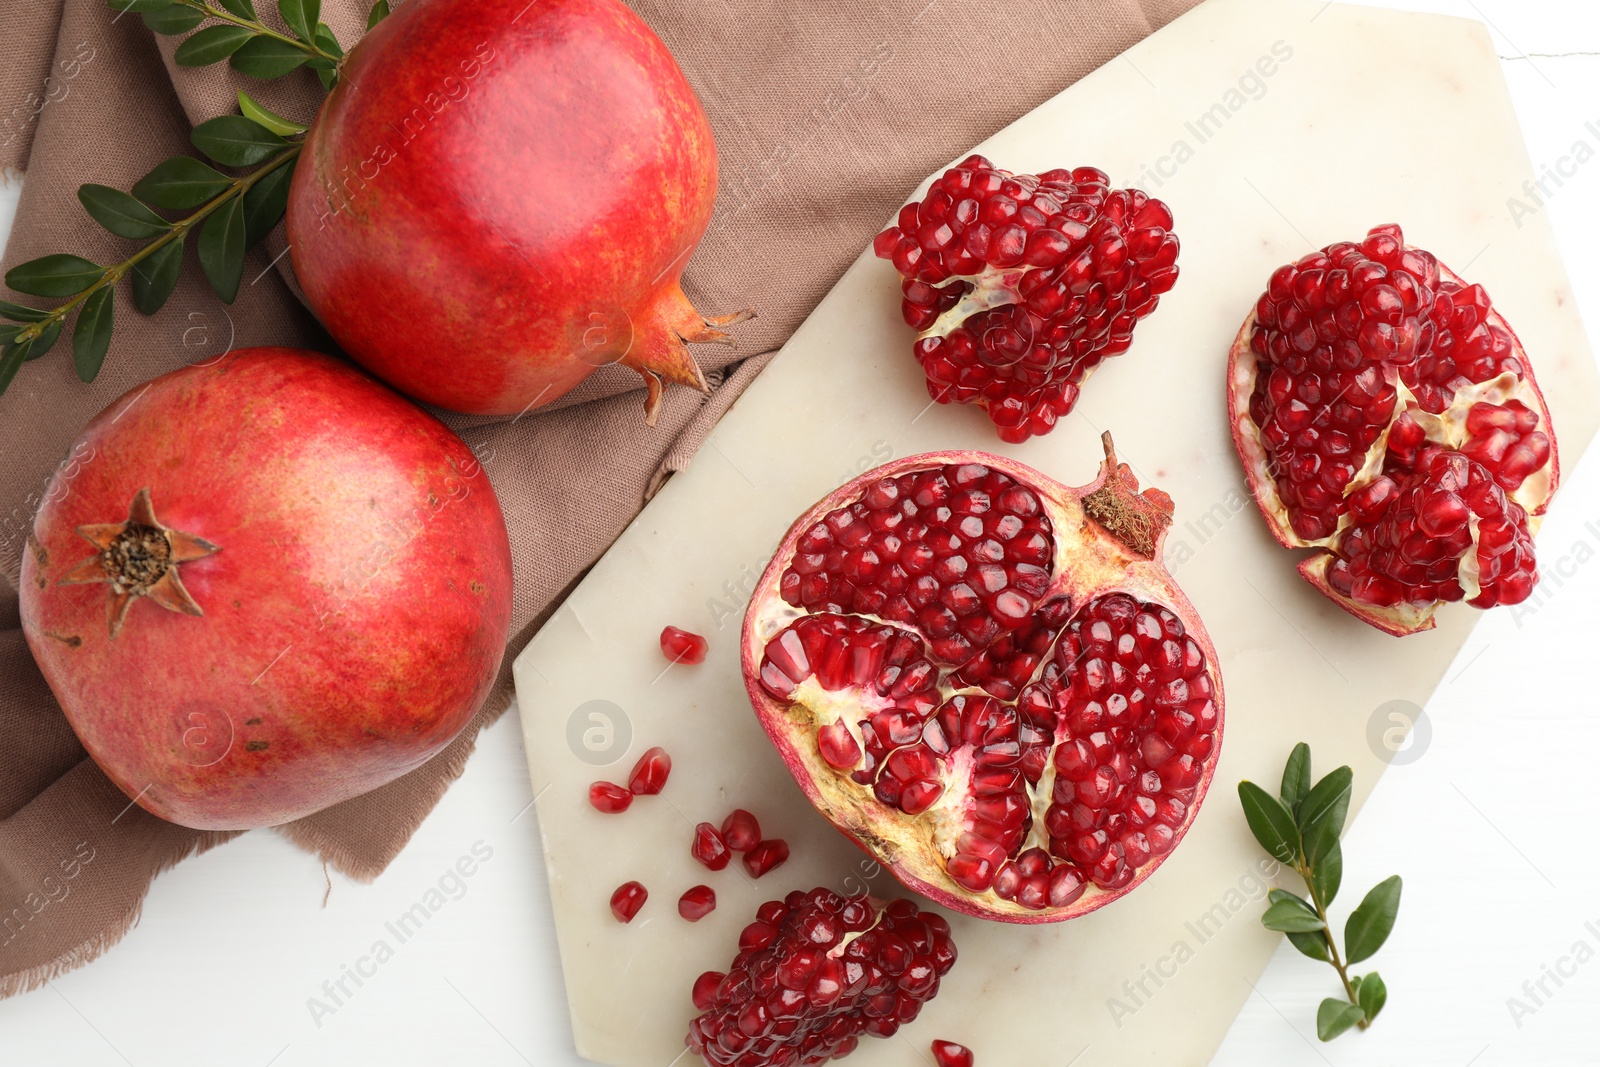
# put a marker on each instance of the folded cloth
(826, 113)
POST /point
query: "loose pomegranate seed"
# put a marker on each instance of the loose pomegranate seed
(697, 903)
(627, 900)
(1062, 267)
(950, 1054)
(649, 775)
(766, 856)
(814, 972)
(741, 831)
(681, 646)
(709, 847)
(611, 799)
(705, 989)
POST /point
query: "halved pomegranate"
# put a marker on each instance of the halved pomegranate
(1019, 285)
(1387, 415)
(988, 681)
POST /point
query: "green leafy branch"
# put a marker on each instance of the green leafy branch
(238, 35)
(231, 213)
(1301, 827)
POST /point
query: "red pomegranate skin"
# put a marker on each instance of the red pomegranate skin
(355, 611)
(498, 197)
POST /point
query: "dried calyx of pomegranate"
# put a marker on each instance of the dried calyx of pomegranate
(814, 972)
(1387, 415)
(1020, 285)
(987, 679)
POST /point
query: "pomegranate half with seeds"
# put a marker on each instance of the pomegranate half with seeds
(1387, 416)
(1020, 285)
(988, 680)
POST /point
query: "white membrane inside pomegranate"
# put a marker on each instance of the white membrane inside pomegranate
(988, 680)
(1387, 414)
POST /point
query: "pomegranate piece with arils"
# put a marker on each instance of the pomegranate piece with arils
(709, 847)
(814, 972)
(681, 646)
(649, 775)
(988, 680)
(627, 900)
(609, 798)
(741, 831)
(1020, 285)
(950, 1054)
(1387, 415)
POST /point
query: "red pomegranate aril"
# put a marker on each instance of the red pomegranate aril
(695, 904)
(766, 856)
(815, 971)
(927, 730)
(950, 1054)
(1388, 417)
(705, 989)
(609, 798)
(710, 848)
(741, 831)
(649, 775)
(627, 900)
(681, 646)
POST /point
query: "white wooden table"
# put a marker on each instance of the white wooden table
(237, 961)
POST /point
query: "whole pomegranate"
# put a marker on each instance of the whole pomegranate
(1387, 415)
(815, 972)
(500, 196)
(270, 585)
(988, 681)
(1020, 285)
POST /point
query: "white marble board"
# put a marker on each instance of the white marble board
(1366, 116)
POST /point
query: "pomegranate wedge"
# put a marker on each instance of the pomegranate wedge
(1387, 415)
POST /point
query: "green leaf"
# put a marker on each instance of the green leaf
(57, 275)
(1322, 813)
(155, 276)
(211, 45)
(173, 19)
(91, 337)
(21, 312)
(1296, 776)
(1313, 945)
(1270, 821)
(379, 12)
(179, 183)
(11, 360)
(265, 203)
(301, 16)
(221, 249)
(9, 331)
(324, 39)
(1327, 873)
(1372, 921)
(273, 121)
(1371, 994)
(46, 340)
(328, 77)
(121, 213)
(243, 8)
(267, 57)
(236, 141)
(1334, 1017)
(1292, 915)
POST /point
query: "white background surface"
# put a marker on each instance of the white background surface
(1491, 823)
